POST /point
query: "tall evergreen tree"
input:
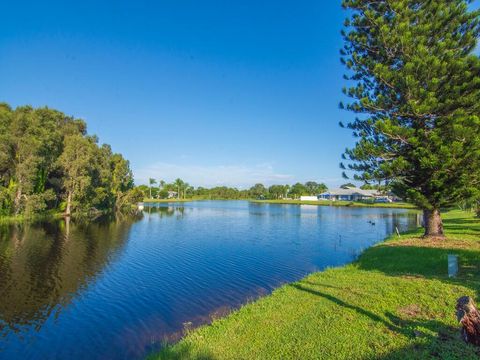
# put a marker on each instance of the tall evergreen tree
(417, 95)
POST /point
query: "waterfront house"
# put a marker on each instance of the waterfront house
(350, 194)
(172, 194)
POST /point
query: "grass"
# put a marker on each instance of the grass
(46, 216)
(401, 205)
(395, 302)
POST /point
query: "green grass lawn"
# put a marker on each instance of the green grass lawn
(401, 205)
(395, 302)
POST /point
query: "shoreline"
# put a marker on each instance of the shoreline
(394, 301)
(22, 219)
(399, 205)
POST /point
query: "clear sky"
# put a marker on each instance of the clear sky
(214, 92)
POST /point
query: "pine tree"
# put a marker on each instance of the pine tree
(416, 90)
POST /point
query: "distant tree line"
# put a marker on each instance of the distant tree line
(48, 162)
(182, 190)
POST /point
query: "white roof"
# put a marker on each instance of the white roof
(351, 191)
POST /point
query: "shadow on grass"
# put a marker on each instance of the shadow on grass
(182, 351)
(340, 302)
(444, 347)
(393, 323)
(446, 344)
(428, 262)
(462, 221)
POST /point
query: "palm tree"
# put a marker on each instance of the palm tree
(186, 187)
(151, 182)
(162, 183)
(179, 185)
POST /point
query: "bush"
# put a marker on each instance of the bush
(37, 203)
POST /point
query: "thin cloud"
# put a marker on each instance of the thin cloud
(240, 176)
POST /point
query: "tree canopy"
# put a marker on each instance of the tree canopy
(182, 190)
(417, 95)
(49, 162)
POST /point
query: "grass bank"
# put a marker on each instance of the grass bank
(395, 302)
(48, 216)
(400, 205)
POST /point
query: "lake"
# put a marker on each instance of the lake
(120, 289)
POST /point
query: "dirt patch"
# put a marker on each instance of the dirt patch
(413, 277)
(448, 243)
(410, 311)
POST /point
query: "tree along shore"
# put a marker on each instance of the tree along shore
(49, 164)
(413, 84)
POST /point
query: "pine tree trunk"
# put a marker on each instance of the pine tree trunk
(68, 209)
(432, 221)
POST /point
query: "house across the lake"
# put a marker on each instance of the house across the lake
(353, 194)
(172, 194)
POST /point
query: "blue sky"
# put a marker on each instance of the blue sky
(214, 92)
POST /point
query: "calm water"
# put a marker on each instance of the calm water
(117, 290)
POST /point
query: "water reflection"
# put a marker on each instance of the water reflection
(165, 211)
(43, 266)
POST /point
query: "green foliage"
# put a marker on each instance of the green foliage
(347, 185)
(314, 188)
(372, 187)
(184, 191)
(298, 190)
(258, 191)
(48, 162)
(277, 191)
(37, 202)
(417, 95)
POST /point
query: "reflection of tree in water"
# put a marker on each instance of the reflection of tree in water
(402, 222)
(166, 211)
(43, 266)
